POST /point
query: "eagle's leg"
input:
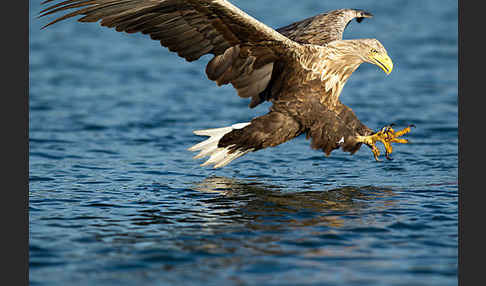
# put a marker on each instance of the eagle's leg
(386, 136)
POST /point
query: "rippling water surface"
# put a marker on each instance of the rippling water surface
(116, 199)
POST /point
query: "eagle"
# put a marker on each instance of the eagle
(300, 68)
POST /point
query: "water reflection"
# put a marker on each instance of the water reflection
(224, 220)
(224, 205)
(264, 206)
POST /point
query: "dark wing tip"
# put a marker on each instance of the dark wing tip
(366, 14)
(361, 14)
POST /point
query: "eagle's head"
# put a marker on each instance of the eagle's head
(373, 52)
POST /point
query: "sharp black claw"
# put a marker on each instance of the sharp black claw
(412, 125)
(388, 157)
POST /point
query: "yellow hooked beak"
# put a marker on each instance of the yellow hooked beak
(384, 62)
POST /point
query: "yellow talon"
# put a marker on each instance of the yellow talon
(386, 136)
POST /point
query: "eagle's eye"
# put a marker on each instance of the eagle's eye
(374, 51)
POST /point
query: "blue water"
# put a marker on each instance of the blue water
(116, 199)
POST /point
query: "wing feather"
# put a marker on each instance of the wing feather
(242, 46)
(323, 28)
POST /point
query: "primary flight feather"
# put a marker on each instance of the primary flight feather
(300, 68)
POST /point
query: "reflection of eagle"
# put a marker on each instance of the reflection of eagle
(252, 202)
(300, 68)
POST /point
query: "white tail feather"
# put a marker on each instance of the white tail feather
(218, 156)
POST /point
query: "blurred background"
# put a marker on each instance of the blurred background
(116, 199)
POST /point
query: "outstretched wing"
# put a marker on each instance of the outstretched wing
(323, 28)
(244, 48)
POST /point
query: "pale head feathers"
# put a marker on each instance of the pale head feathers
(358, 48)
(334, 63)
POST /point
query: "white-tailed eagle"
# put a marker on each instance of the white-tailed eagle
(301, 69)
